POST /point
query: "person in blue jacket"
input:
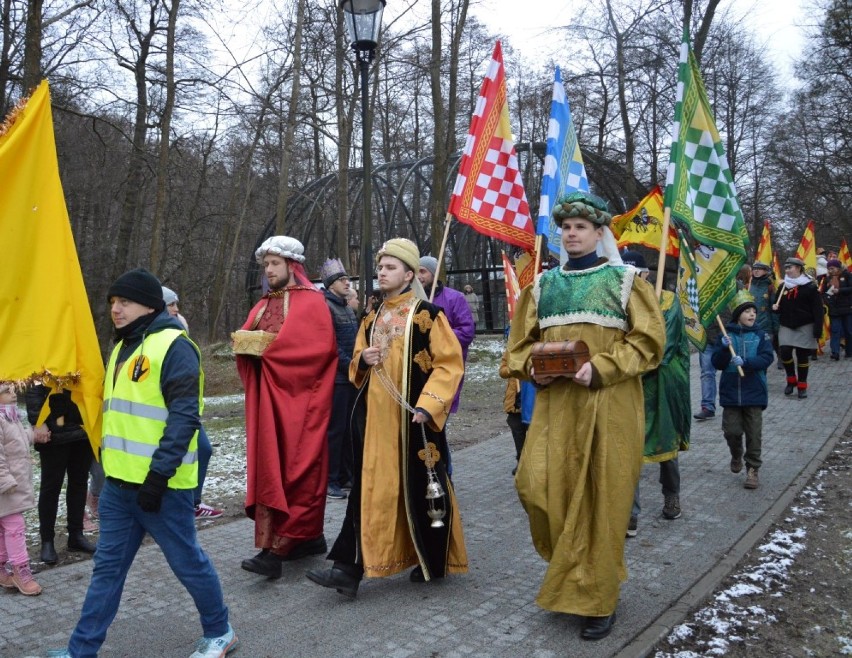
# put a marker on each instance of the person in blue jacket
(743, 398)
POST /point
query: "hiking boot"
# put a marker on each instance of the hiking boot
(6, 580)
(736, 464)
(206, 513)
(337, 579)
(264, 563)
(633, 527)
(315, 546)
(335, 493)
(704, 414)
(23, 579)
(671, 507)
(751, 479)
(216, 647)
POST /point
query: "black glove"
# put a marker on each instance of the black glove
(150, 495)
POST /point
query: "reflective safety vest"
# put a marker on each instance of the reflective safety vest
(135, 413)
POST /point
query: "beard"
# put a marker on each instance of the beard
(281, 283)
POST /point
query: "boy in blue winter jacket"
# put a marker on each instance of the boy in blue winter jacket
(744, 398)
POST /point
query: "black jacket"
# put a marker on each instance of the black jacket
(800, 306)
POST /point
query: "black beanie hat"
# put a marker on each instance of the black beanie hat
(139, 286)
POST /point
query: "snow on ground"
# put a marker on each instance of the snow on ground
(730, 615)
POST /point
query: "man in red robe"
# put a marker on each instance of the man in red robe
(288, 404)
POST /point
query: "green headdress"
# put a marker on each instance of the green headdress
(583, 205)
(741, 301)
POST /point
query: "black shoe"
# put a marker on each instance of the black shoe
(264, 563)
(48, 552)
(597, 628)
(306, 548)
(789, 388)
(78, 542)
(803, 393)
(835, 357)
(416, 575)
(633, 527)
(704, 414)
(335, 578)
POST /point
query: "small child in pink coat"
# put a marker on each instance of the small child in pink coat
(16, 496)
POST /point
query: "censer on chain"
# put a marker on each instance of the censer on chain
(436, 506)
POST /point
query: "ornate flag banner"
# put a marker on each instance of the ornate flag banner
(525, 267)
(700, 189)
(489, 191)
(643, 224)
(45, 320)
(564, 171)
(844, 255)
(688, 296)
(806, 250)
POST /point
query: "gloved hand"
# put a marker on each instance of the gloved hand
(150, 495)
(726, 342)
(737, 360)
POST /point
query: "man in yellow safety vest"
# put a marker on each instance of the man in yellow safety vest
(152, 413)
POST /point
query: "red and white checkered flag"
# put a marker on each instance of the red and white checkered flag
(489, 191)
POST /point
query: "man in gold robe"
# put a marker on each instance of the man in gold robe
(583, 452)
(407, 365)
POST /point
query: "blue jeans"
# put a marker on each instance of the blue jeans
(123, 526)
(841, 325)
(708, 380)
(205, 452)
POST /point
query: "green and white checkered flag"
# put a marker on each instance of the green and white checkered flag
(700, 190)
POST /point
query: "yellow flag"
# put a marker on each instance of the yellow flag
(806, 250)
(46, 324)
(844, 255)
(643, 224)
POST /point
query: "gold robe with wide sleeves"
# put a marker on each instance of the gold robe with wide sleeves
(583, 452)
(387, 522)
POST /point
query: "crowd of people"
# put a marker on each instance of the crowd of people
(357, 407)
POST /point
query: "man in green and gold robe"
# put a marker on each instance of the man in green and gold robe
(583, 451)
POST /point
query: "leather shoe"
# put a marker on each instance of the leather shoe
(48, 552)
(597, 628)
(77, 542)
(307, 548)
(336, 578)
(264, 563)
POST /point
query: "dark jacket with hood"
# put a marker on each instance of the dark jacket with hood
(179, 383)
(755, 347)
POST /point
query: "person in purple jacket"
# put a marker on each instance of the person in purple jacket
(454, 306)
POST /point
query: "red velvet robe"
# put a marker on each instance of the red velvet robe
(288, 402)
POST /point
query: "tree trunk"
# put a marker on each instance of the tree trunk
(290, 128)
(32, 46)
(165, 138)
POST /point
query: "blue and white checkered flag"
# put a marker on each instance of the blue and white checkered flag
(563, 164)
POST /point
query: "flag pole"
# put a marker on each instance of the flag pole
(730, 345)
(664, 243)
(539, 247)
(447, 222)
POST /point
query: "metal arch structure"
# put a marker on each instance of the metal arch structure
(401, 198)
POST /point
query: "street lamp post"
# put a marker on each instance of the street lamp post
(363, 19)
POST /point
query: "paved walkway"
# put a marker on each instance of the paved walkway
(491, 610)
